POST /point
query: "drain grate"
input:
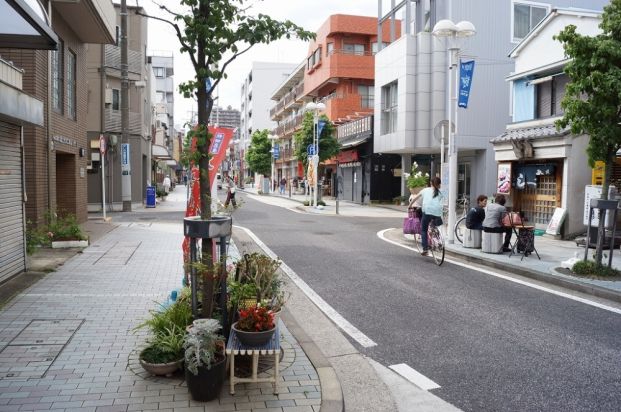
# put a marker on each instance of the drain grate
(34, 349)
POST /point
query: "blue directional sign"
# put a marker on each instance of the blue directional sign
(276, 152)
(311, 150)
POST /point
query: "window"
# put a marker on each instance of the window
(160, 97)
(57, 77)
(313, 59)
(116, 99)
(170, 98)
(526, 15)
(349, 48)
(389, 108)
(367, 94)
(374, 46)
(549, 92)
(329, 49)
(317, 55)
(71, 85)
(159, 72)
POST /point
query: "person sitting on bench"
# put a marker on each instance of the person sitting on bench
(476, 215)
(493, 220)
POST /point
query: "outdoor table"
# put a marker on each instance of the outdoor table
(524, 243)
(235, 347)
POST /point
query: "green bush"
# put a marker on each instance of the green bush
(306, 203)
(36, 237)
(321, 203)
(590, 268)
(65, 227)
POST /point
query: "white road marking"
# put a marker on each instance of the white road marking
(380, 234)
(330, 312)
(415, 377)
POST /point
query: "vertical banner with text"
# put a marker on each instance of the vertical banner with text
(466, 70)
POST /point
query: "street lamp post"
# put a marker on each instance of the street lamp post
(315, 108)
(273, 138)
(452, 32)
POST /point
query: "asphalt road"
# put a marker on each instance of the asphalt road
(492, 345)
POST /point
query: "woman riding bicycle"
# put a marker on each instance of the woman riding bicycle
(432, 210)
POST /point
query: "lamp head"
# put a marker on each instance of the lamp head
(465, 29)
(320, 106)
(444, 28)
(311, 106)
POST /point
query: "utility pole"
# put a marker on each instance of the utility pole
(126, 177)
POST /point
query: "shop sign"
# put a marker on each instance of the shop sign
(350, 164)
(347, 156)
(503, 185)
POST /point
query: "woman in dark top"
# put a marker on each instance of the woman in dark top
(475, 216)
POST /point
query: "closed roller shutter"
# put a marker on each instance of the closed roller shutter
(12, 259)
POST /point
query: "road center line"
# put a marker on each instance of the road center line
(415, 377)
(329, 311)
(381, 235)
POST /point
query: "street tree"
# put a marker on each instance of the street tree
(592, 102)
(213, 33)
(328, 145)
(258, 156)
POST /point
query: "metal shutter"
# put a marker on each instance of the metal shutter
(544, 100)
(12, 251)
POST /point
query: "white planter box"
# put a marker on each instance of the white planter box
(69, 243)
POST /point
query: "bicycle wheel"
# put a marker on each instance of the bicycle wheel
(436, 242)
(460, 229)
(417, 243)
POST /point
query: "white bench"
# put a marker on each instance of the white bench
(492, 242)
(472, 238)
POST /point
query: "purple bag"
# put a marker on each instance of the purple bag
(411, 224)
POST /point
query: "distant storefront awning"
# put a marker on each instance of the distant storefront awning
(351, 141)
(24, 24)
(171, 163)
(160, 152)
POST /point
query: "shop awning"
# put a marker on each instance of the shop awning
(352, 141)
(527, 133)
(160, 152)
(171, 163)
(24, 24)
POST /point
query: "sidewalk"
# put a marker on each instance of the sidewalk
(551, 251)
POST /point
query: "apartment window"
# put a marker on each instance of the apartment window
(389, 108)
(160, 97)
(313, 59)
(367, 94)
(159, 72)
(374, 46)
(57, 77)
(71, 85)
(116, 99)
(170, 98)
(329, 49)
(351, 48)
(549, 92)
(527, 15)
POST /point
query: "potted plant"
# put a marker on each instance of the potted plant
(167, 326)
(205, 360)
(417, 180)
(255, 326)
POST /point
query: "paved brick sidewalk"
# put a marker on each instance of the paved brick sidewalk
(68, 341)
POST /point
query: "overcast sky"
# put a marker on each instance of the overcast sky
(309, 14)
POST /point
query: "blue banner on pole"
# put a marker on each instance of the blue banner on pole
(466, 70)
(276, 152)
(320, 127)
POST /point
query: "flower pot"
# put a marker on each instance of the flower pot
(216, 227)
(161, 369)
(253, 338)
(207, 385)
(415, 190)
(61, 244)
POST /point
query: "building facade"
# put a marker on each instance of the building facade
(256, 93)
(104, 115)
(547, 168)
(56, 179)
(411, 79)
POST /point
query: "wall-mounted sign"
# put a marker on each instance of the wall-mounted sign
(125, 163)
(503, 184)
(65, 140)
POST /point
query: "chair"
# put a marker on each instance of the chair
(524, 237)
(492, 242)
(472, 238)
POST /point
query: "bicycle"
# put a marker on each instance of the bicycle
(436, 243)
(460, 225)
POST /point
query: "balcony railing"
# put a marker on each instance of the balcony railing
(135, 59)
(354, 127)
(287, 100)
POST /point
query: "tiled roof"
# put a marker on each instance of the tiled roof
(536, 132)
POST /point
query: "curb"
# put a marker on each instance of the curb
(332, 399)
(593, 290)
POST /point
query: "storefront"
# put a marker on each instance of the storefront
(541, 169)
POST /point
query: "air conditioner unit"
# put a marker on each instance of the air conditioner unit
(108, 97)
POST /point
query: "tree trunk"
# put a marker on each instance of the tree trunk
(601, 228)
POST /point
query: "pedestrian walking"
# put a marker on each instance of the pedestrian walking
(185, 179)
(432, 210)
(230, 192)
(283, 184)
(166, 183)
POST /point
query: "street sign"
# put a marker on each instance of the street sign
(125, 165)
(276, 152)
(311, 150)
(102, 144)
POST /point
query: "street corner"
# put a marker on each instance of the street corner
(396, 235)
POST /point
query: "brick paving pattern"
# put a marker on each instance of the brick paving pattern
(68, 343)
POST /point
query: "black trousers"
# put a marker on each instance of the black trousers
(506, 230)
(230, 197)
